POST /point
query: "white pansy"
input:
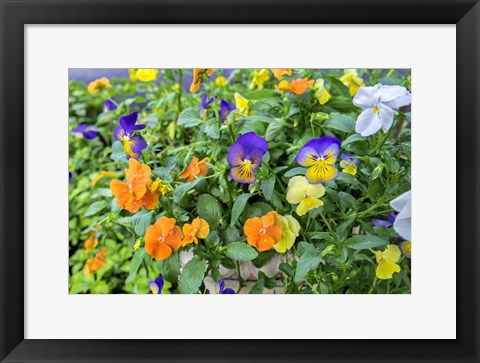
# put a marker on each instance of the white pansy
(379, 104)
(403, 221)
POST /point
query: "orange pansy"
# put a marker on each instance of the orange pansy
(94, 86)
(198, 229)
(262, 233)
(162, 238)
(198, 73)
(94, 264)
(297, 86)
(280, 72)
(195, 168)
(91, 242)
(135, 193)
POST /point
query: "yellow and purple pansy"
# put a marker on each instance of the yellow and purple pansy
(245, 156)
(109, 105)
(225, 109)
(319, 156)
(349, 163)
(156, 285)
(133, 143)
(385, 223)
(84, 131)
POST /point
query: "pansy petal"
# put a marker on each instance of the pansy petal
(243, 174)
(323, 144)
(386, 114)
(401, 201)
(119, 133)
(307, 156)
(392, 253)
(385, 269)
(368, 123)
(139, 127)
(389, 93)
(154, 288)
(366, 97)
(321, 173)
(381, 223)
(307, 204)
(250, 141)
(315, 190)
(403, 226)
(297, 189)
(128, 122)
(236, 154)
(159, 281)
(138, 143)
(229, 291)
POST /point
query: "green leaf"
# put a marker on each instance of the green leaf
(170, 268)
(137, 260)
(141, 221)
(95, 208)
(241, 251)
(353, 138)
(362, 242)
(295, 171)
(267, 186)
(209, 209)
(308, 261)
(238, 207)
(258, 287)
(162, 173)
(338, 121)
(263, 258)
(347, 201)
(182, 189)
(343, 229)
(338, 85)
(286, 269)
(274, 129)
(192, 276)
(212, 131)
(189, 117)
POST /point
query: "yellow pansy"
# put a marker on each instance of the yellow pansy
(348, 167)
(306, 195)
(259, 78)
(242, 104)
(147, 75)
(133, 74)
(387, 262)
(220, 81)
(160, 188)
(406, 247)
(102, 175)
(321, 93)
(281, 72)
(352, 80)
(290, 231)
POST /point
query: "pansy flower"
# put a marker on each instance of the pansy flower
(406, 247)
(198, 229)
(205, 103)
(135, 192)
(379, 104)
(387, 262)
(281, 72)
(321, 93)
(133, 143)
(385, 223)
(91, 242)
(156, 285)
(94, 264)
(225, 109)
(84, 131)
(297, 86)
(242, 104)
(305, 194)
(146, 74)
(109, 105)
(220, 288)
(290, 231)
(94, 86)
(196, 168)
(199, 75)
(221, 81)
(351, 79)
(349, 163)
(259, 78)
(262, 233)
(319, 156)
(403, 222)
(245, 156)
(163, 238)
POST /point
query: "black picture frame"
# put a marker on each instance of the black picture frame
(15, 14)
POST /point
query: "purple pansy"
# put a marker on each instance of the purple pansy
(84, 131)
(133, 143)
(225, 109)
(222, 290)
(109, 105)
(385, 223)
(156, 285)
(245, 156)
(205, 103)
(319, 156)
(227, 72)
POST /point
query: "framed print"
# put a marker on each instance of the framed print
(212, 151)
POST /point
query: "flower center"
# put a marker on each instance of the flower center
(375, 109)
